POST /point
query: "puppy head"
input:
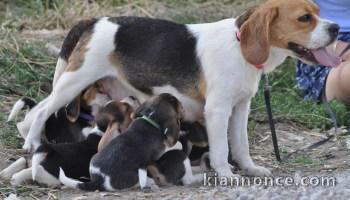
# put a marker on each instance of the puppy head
(294, 26)
(89, 100)
(196, 133)
(116, 114)
(167, 111)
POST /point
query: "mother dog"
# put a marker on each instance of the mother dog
(212, 68)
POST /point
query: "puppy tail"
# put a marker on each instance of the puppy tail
(19, 105)
(72, 183)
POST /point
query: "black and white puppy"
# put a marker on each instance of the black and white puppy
(120, 164)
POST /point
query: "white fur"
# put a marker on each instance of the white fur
(177, 146)
(22, 176)
(36, 160)
(142, 178)
(107, 180)
(189, 178)
(320, 35)
(15, 167)
(69, 182)
(15, 109)
(60, 67)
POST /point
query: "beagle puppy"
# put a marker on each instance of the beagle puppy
(44, 164)
(122, 163)
(173, 168)
(114, 118)
(67, 123)
(213, 69)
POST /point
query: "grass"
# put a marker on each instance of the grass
(27, 69)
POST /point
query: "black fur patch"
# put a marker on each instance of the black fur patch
(74, 35)
(156, 52)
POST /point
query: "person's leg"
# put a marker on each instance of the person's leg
(338, 83)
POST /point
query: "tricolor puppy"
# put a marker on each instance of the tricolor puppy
(120, 164)
(214, 69)
(114, 118)
(67, 124)
(74, 157)
(173, 168)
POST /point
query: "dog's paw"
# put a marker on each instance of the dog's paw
(16, 180)
(225, 171)
(31, 145)
(257, 171)
(5, 175)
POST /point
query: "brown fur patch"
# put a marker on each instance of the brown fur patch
(156, 175)
(198, 93)
(78, 55)
(275, 23)
(107, 136)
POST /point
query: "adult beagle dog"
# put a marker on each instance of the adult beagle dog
(214, 69)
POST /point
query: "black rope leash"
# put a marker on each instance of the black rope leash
(267, 88)
(328, 108)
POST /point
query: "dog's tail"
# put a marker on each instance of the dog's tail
(19, 105)
(94, 185)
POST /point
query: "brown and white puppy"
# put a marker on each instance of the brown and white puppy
(214, 69)
(43, 166)
(122, 163)
(114, 118)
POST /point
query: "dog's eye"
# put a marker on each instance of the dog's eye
(305, 18)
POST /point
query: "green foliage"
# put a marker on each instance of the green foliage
(288, 104)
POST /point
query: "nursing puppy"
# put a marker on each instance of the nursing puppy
(74, 158)
(118, 166)
(114, 118)
(67, 124)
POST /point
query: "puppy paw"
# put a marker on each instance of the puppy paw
(5, 175)
(16, 180)
(257, 171)
(30, 145)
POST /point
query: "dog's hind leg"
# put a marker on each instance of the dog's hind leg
(15, 167)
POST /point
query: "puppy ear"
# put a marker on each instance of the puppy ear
(143, 109)
(171, 130)
(73, 110)
(255, 35)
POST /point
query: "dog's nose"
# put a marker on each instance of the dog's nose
(333, 29)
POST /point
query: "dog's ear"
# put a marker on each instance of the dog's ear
(171, 129)
(255, 35)
(143, 109)
(73, 110)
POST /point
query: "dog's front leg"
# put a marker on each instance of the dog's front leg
(238, 136)
(217, 114)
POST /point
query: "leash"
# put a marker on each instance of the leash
(267, 95)
(321, 142)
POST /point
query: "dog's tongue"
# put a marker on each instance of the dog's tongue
(326, 59)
